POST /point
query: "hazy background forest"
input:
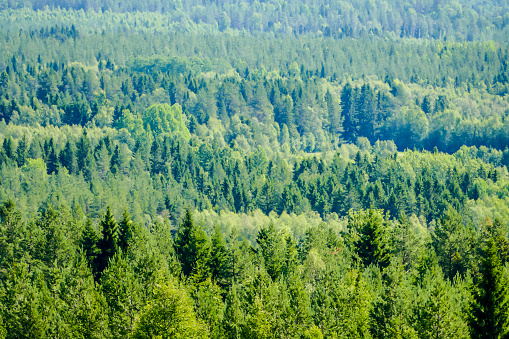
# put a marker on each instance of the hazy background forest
(274, 169)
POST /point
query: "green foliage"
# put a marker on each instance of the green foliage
(192, 248)
(170, 314)
(488, 315)
(438, 311)
(272, 250)
(122, 291)
(292, 164)
(108, 244)
(371, 239)
(220, 259)
(163, 118)
(452, 242)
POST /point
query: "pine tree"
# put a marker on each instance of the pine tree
(84, 156)
(52, 162)
(335, 126)
(272, 250)
(83, 308)
(427, 105)
(368, 114)
(123, 293)
(438, 316)
(391, 316)
(115, 161)
(8, 146)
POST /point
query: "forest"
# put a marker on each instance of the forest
(274, 169)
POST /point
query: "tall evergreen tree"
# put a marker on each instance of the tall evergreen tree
(68, 158)
(233, 315)
(219, 261)
(126, 231)
(368, 113)
(372, 242)
(272, 250)
(335, 125)
(192, 247)
(88, 242)
(349, 113)
(452, 244)
(22, 151)
(108, 244)
(489, 308)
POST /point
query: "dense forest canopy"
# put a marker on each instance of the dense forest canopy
(436, 19)
(274, 169)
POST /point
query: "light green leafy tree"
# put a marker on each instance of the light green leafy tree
(169, 314)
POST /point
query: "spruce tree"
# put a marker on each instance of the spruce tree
(349, 114)
(489, 307)
(233, 320)
(108, 244)
(126, 231)
(22, 151)
(272, 250)
(192, 247)
(219, 262)
(89, 240)
(452, 244)
(372, 243)
(68, 158)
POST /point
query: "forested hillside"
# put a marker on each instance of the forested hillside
(298, 169)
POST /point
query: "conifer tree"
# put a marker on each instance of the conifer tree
(84, 156)
(21, 151)
(51, 158)
(108, 244)
(219, 261)
(233, 316)
(83, 307)
(372, 245)
(452, 244)
(115, 161)
(335, 126)
(192, 247)
(349, 114)
(89, 241)
(489, 307)
(123, 293)
(272, 250)
(126, 231)
(68, 158)
(438, 316)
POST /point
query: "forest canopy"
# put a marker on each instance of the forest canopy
(274, 169)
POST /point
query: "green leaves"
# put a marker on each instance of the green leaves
(163, 118)
(169, 314)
